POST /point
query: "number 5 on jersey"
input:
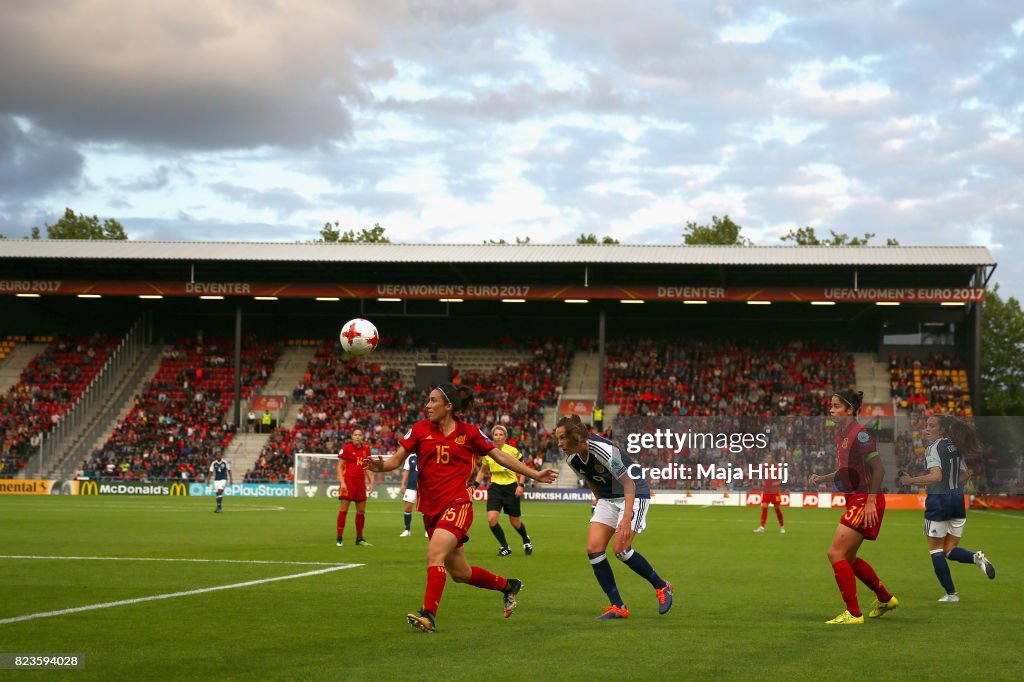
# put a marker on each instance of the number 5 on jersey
(443, 456)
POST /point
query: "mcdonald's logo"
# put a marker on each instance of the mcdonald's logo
(88, 488)
(178, 489)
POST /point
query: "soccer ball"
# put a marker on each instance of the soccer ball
(358, 337)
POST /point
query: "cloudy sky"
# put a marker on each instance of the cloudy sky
(464, 120)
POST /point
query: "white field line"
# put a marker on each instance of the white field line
(202, 561)
(172, 595)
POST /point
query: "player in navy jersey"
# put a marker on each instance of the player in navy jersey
(409, 476)
(220, 472)
(945, 513)
(859, 477)
(620, 512)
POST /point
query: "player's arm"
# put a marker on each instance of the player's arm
(875, 474)
(368, 475)
(231, 476)
(624, 533)
(341, 475)
(405, 481)
(209, 475)
(396, 460)
(480, 471)
(934, 475)
(510, 462)
(817, 479)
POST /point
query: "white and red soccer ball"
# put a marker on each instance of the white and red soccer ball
(358, 337)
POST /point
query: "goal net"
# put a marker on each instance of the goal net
(316, 474)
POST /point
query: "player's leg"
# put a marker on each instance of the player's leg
(965, 556)
(495, 502)
(361, 522)
(637, 562)
(462, 572)
(513, 508)
(936, 531)
(342, 514)
(410, 498)
(845, 543)
(764, 516)
(599, 534)
(778, 514)
(220, 494)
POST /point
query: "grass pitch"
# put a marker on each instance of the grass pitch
(746, 605)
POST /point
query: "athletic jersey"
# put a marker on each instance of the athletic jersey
(355, 474)
(445, 462)
(770, 486)
(944, 454)
(499, 474)
(220, 468)
(410, 466)
(604, 465)
(854, 447)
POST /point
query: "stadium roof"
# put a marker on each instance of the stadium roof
(976, 256)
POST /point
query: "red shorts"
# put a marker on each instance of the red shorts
(771, 498)
(456, 519)
(854, 516)
(356, 491)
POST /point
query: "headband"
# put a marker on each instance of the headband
(446, 398)
(843, 398)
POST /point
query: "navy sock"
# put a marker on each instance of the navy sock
(522, 532)
(636, 561)
(499, 533)
(407, 517)
(942, 571)
(964, 556)
(605, 577)
(219, 498)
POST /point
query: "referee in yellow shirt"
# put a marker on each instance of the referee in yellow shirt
(506, 492)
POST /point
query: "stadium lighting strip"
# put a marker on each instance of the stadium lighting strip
(264, 298)
(390, 300)
(513, 300)
(954, 303)
(759, 302)
(823, 302)
(577, 300)
(887, 302)
(27, 295)
(695, 302)
(630, 300)
(89, 296)
(328, 298)
(150, 296)
(451, 300)
(211, 298)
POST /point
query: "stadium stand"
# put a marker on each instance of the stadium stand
(177, 423)
(47, 389)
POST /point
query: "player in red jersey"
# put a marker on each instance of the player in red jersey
(446, 449)
(771, 494)
(859, 475)
(356, 482)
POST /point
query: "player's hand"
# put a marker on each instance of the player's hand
(814, 479)
(519, 489)
(624, 533)
(547, 476)
(870, 514)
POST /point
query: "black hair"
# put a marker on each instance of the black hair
(852, 397)
(575, 430)
(459, 397)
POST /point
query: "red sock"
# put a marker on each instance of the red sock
(341, 522)
(778, 514)
(867, 575)
(764, 515)
(487, 580)
(360, 520)
(847, 585)
(436, 576)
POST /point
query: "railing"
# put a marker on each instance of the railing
(106, 379)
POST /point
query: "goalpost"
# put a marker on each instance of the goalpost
(315, 474)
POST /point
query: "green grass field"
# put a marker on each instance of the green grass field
(746, 605)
